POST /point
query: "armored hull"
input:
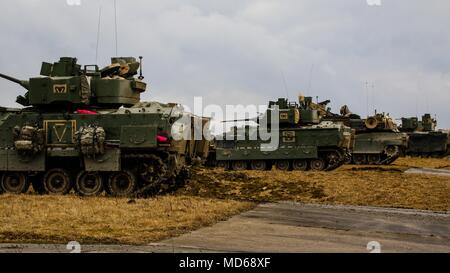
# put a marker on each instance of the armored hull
(428, 144)
(302, 142)
(74, 135)
(424, 140)
(376, 148)
(377, 138)
(123, 151)
(309, 148)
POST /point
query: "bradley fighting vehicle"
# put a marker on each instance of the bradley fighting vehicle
(85, 127)
(302, 141)
(424, 140)
(377, 139)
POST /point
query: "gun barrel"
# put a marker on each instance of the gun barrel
(24, 84)
(240, 120)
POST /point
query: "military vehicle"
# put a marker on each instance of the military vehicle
(86, 128)
(424, 139)
(304, 143)
(377, 140)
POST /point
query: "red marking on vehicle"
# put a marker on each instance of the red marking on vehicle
(162, 138)
(85, 112)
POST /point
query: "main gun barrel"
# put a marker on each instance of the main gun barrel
(24, 84)
(240, 120)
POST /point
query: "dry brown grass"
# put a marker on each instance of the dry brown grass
(363, 185)
(208, 198)
(60, 219)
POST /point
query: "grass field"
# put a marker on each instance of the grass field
(60, 219)
(384, 186)
(212, 196)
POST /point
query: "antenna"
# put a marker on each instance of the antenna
(419, 91)
(140, 68)
(285, 85)
(115, 23)
(367, 98)
(98, 31)
(372, 98)
(310, 79)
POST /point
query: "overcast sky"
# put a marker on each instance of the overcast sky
(249, 51)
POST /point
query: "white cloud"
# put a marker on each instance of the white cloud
(236, 51)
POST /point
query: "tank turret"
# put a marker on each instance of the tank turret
(66, 84)
(380, 122)
(377, 138)
(291, 114)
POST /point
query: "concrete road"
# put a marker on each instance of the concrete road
(294, 227)
(428, 171)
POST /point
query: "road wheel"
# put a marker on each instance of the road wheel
(222, 164)
(239, 165)
(300, 165)
(14, 182)
(373, 159)
(258, 165)
(392, 150)
(318, 164)
(57, 181)
(359, 159)
(333, 158)
(89, 183)
(282, 165)
(122, 184)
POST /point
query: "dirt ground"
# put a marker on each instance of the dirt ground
(214, 195)
(383, 186)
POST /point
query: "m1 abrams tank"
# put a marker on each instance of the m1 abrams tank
(377, 140)
(302, 142)
(424, 140)
(85, 128)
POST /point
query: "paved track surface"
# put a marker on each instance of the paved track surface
(294, 227)
(428, 171)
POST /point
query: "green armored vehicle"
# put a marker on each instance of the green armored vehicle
(298, 141)
(377, 140)
(85, 128)
(424, 139)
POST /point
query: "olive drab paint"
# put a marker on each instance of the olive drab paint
(85, 127)
(424, 139)
(303, 141)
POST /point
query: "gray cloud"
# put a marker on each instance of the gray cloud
(237, 51)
